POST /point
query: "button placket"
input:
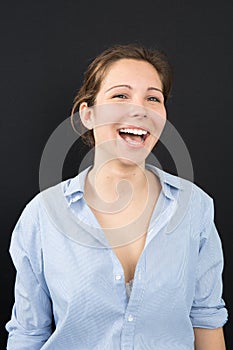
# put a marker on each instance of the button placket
(118, 277)
(133, 307)
(130, 318)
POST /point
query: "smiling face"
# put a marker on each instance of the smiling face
(129, 112)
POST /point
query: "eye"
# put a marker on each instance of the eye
(121, 96)
(153, 99)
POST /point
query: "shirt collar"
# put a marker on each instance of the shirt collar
(168, 181)
(74, 188)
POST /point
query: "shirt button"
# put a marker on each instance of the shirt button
(130, 318)
(118, 277)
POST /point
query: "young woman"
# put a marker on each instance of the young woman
(131, 277)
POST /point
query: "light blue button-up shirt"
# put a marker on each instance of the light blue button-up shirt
(70, 291)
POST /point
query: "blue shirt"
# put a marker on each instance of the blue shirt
(70, 290)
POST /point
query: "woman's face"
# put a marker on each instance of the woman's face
(129, 113)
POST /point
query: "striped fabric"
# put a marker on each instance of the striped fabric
(70, 292)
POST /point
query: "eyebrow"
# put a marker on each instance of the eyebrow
(130, 87)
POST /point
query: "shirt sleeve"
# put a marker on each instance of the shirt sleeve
(31, 321)
(208, 309)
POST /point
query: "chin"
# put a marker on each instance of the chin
(123, 154)
(130, 162)
(132, 158)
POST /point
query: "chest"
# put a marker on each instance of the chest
(126, 233)
(73, 271)
(125, 219)
(129, 255)
(85, 292)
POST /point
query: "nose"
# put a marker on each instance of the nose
(138, 111)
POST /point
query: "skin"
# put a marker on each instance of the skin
(119, 168)
(119, 174)
(137, 78)
(209, 339)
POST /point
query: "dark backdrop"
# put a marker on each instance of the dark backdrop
(46, 45)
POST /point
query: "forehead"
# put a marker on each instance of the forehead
(131, 71)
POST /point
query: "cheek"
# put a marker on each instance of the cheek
(158, 124)
(109, 113)
(163, 112)
(104, 133)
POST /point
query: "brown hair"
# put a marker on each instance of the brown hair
(97, 70)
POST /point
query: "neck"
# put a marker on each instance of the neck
(116, 178)
(117, 170)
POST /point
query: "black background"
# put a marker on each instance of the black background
(46, 46)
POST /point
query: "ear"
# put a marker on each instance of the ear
(86, 115)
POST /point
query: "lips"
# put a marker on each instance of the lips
(133, 135)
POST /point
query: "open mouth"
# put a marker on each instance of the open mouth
(133, 136)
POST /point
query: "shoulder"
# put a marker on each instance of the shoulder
(190, 197)
(34, 211)
(182, 185)
(35, 206)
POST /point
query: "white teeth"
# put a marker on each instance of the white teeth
(134, 131)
